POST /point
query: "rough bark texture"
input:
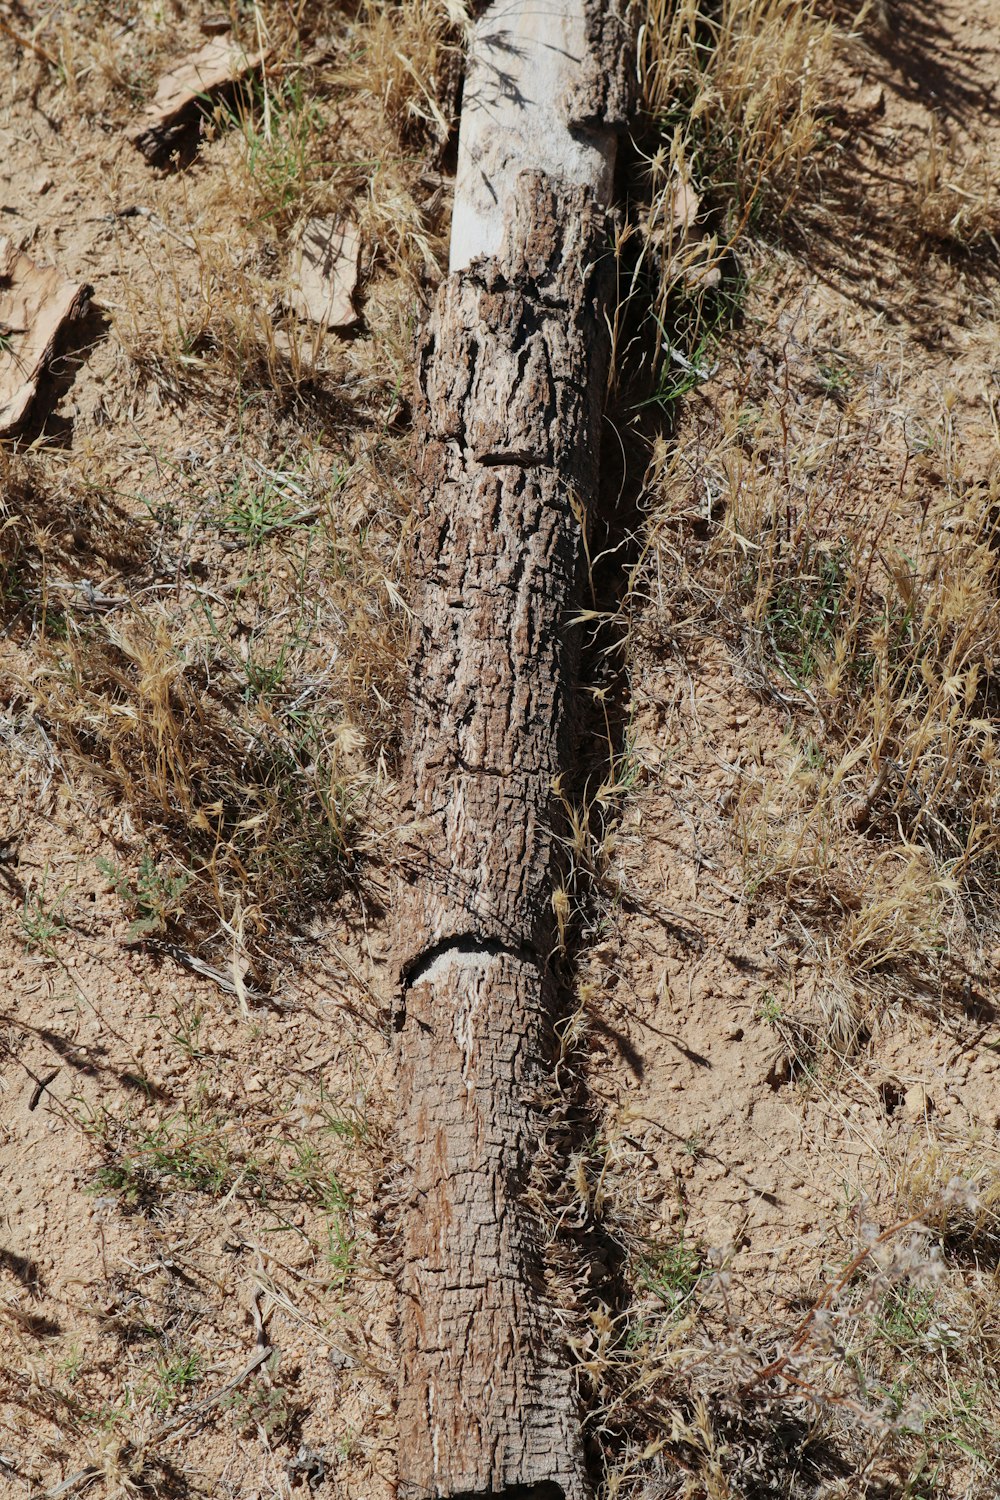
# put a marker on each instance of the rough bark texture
(603, 97)
(512, 376)
(487, 1407)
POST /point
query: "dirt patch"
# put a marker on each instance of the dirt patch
(192, 1142)
(778, 1092)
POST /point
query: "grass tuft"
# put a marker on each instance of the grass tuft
(878, 822)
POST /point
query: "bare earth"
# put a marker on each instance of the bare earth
(770, 1164)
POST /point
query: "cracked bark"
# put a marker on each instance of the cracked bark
(512, 375)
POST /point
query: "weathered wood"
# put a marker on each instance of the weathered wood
(512, 376)
(323, 276)
(200, 77)
(486, 1404)
(36, 303)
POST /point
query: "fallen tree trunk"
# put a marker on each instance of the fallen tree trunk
(512, 376)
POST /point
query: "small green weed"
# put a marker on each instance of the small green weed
(671, 1271)
(340, 1253)
(186, 1152)
(311, 1174)
(155, 897)
(769, 1008)
(42, 918)
(835, 377)
(679, 373)
(952, 1421)
(257, 505)
(906, 1318)
(175, 1377)
(257, 1407)
(694, 1147)
(281, 128)
(183, 1027)
(804, 611)
(72, 1365)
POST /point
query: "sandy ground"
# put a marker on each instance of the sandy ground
(752, 1157)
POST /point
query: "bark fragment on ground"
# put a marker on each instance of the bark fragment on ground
(324, 272)
(183, 90)
(512, 376)
(36, 303)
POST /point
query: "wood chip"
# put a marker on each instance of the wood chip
(215, 25)
(704, 274)
(867, 101)
(200, 76)
(324, 272)
(694, 258)
(684, 206)
(36, 302)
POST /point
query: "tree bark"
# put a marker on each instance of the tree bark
(512, 376)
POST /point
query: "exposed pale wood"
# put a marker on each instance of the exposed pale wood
(524, 60)
(200, 76)
(36, 302)
(512, 376)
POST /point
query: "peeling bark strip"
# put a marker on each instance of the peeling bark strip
(200, 77)
(512, 376)
(36, 303)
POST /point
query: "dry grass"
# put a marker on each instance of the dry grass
(737, 89)
(954, 1186)
(245, 729)
(880, 822)
(204, 630)
(229, 687)
(233, 690)
(885, 1382)
(155, 1350)
(733, 97)
(410, 62)
(862, 608)
(956, 200)
(201, 598)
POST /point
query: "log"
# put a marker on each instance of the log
(511, 376)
